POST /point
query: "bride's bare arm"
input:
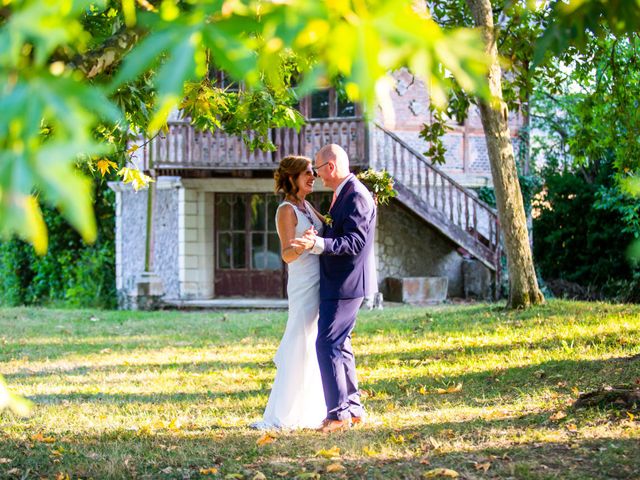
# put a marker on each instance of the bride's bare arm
(287, 222)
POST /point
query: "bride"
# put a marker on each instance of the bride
(297, 397)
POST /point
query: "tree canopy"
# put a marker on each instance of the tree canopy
(79, 77)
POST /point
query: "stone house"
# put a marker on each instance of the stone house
(213, 232)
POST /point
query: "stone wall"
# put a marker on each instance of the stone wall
(408, 247)
(130, 240)
(131, 209)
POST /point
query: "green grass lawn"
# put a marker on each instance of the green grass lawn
(171, 395)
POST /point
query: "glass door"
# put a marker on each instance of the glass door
(248, 262)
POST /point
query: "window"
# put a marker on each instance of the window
(246, 232)
(329, 104)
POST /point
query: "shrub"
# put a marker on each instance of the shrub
(71, 273)
(582, 229)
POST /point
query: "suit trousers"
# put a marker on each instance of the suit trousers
(335, 356)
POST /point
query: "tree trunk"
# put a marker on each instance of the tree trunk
(523, 284)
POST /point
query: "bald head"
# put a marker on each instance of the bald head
(332, 165)
(335, 154)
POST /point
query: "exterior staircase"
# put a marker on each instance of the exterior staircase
(436, 198)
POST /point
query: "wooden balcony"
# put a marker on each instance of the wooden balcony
(185, 148)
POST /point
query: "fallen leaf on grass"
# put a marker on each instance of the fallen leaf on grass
(335, 467)
(57, 452)
(453, 389)
(440, 472)
(265, 439)
(369, 452)
(14, 471)
(38, 437)
(631, 416)
(333, 452)
(572, 427)
(448, 432)
(259, 476)
(231, 476)
(434, 442)
(484, 466)
(397, 439)
(208, 471)
(157, 425)
(146, 430)
(558, 416)
(575, 391)
(62, 476)
(423, 390)
(175, 424)
(5, 460)
(308, 475)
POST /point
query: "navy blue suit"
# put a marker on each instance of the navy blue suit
(343, 281)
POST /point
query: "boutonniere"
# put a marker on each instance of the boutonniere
(328, 220)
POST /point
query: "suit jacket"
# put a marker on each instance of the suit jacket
(348, 242)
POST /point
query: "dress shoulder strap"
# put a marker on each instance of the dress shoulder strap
(286, 202)
(282, 204)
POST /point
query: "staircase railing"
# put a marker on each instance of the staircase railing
(453, 209)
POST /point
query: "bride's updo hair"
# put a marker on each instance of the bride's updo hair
(288, 172)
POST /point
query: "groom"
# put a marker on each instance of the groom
(347, 242)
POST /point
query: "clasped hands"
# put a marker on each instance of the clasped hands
(307, 241)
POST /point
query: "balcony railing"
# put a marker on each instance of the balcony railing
(185, 148)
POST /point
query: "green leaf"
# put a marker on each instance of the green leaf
(143, 56)
(171, 77)
(66, 188)
(8, 399)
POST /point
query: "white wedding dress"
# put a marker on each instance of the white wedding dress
(297, 397)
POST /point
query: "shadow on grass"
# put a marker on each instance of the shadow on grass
(210, 367)
(59, 348)
(129, 454)
(148, 398)
(506, 384)
(547, 344)
(487, 386)
(417, 354)
(139, 330)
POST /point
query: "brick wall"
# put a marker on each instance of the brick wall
(466, 153)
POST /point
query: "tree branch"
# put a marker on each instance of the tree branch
(110, 53)
(556, 125)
